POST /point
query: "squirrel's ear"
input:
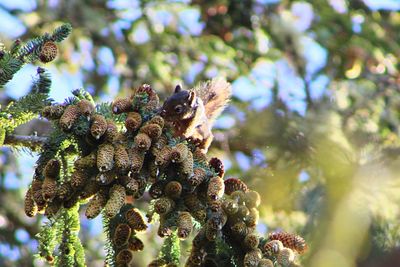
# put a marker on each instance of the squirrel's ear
(178, 88)
(192, 97)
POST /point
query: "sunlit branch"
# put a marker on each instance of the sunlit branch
(31, 141)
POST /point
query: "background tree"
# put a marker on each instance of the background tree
(313, 124)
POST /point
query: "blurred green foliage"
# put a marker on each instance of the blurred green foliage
(329, 173)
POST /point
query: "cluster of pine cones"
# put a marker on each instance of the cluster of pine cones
(123, 229)
(122, 161)
(234, 214)
(112, 160)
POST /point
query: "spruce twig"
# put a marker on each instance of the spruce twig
(19, 54)
(29, 141)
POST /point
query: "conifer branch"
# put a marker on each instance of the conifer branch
(19, 54)
(29, 141)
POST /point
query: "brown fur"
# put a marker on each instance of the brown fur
(215, 94)
(198, 109)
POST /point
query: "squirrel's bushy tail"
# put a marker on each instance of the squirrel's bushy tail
(215, 95)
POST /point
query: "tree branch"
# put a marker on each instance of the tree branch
(32, 142)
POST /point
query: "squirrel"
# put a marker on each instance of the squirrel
(193, 112)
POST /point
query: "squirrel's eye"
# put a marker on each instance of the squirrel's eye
(178, 109)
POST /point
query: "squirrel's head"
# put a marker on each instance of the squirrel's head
(179, 105)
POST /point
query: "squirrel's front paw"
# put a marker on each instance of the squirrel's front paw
(194, 141)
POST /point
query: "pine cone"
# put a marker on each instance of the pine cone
(121, 105)
(157, 120)
(285, 257)
(157, 189)
(164, 205)
(252, 199)
(86, 162)
(69, 117)
(96, 204)
(49, 188)
(211, 233)
(135, 244)
(251, 241)
(122, 161)
(291, 241)
(163, 230)
(86, 107)
(130, 184)
(230, 206)
(48, 52)
(79, 179)
(124, 257)
(272, 248)
(252, 258)
(116, 200)
(105, 157)
(199, 175)
(163, 156)
(217, 220)
(179, 153)
(53, 112)
(137, 159)
(157, 263)
(121, 234)
(252, 218)
(184, 224)
(215, 189)
(133, 121)
(39, 200)
(98, 127)
(173, 189)
(64, 191)
(142, 142)
(52, 169)
(186, 167)
(153, 130)
(234, 184)
(217, 165)
(30, 205)
(135, 220)
(195, 259)
(111, 133)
